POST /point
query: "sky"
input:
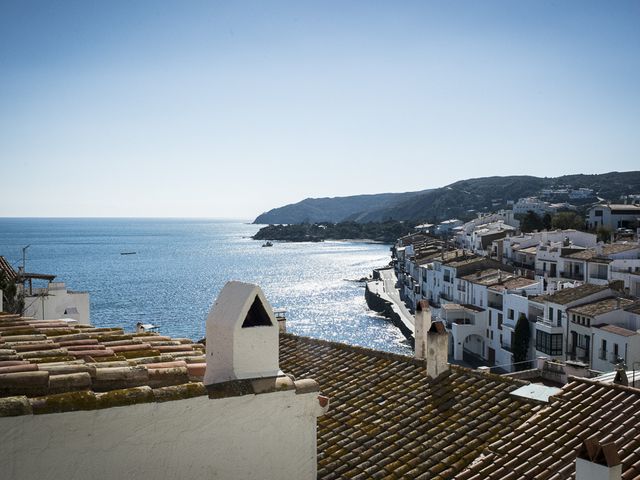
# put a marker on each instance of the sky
(228, 109)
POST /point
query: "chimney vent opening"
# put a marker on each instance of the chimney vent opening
(257, 316)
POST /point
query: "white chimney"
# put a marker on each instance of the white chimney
(437, 349)
(422, 323)
(242, 336)
(598, 462)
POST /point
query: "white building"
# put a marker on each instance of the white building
(552, 326)
(533, 204)
(613, 216)
(56, 301)
(446, 227)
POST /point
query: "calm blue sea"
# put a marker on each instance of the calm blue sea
(182, 264)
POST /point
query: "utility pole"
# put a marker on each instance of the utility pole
(24, 269)
(24, 257)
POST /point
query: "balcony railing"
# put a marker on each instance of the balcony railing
(572, 275)
(548, 321)
(444, 296)
(506, 346)
(496, 305)
(596, 276)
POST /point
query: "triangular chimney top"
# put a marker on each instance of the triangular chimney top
(242, 335)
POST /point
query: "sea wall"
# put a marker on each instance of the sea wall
(385, 307)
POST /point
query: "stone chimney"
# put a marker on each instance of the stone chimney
(598, 462)
(242, 336)
(422, 323)
(437, 349)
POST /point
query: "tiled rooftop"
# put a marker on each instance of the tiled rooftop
(388, 420)
(623, 332)
(600, 307)
(568, 295)
(545, 446)
(53, 366)
(7, 269)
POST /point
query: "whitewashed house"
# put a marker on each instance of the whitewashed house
(613, 216)
(552, 326)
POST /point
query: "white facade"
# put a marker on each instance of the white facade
(539, 207)
(272, 435)
(613, 216)
(55, 301)
(611, 345)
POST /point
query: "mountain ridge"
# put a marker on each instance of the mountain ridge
(463, 199)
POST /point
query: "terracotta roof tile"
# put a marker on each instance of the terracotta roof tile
(414, 427)
(48, 362)
(592, 409)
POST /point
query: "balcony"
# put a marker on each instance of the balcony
(494, 304)
(507, 347)
(572, 275)
(579, 353)
(549, 326)
(461, 288)
(444, 296)
(548, 321)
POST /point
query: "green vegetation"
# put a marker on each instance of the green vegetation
(13, 302)
(561, 220)
(386, 232)
(567, 220)
(521, 338)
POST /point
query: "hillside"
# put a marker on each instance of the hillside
(460, 199)
(337, 209)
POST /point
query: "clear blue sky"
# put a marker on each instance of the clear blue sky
(228, 109)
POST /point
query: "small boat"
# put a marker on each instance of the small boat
(267, 244)
(128, 253)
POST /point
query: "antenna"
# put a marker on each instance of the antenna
(24, 256)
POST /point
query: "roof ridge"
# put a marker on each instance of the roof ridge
(356, 348)
(614, 386)
(405, 358)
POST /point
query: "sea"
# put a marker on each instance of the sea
(181, 265)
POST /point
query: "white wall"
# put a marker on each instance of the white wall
(268, 436)
(54, 301)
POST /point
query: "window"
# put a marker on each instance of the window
(551, 313)
(499, 320)
(603, 350)
(551, 344)
(491, 334)
(489, 317)
(615, 351)
(598, 213)
(510, 314)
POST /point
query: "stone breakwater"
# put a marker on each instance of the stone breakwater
(383, 302)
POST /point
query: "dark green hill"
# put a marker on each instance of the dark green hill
(337, 209)
(461, 199)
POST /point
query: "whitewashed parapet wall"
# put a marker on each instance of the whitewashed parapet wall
(268, 436)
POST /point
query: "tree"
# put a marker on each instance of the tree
(521, 338)
(13, 302)
(567, 220)
(604, 234)
(530, 222)
(546, 221)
